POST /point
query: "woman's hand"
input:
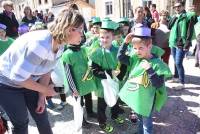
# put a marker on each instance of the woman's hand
(49, 91)
(41, 104)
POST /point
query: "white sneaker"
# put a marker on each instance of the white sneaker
(173, 80)
(179, 87)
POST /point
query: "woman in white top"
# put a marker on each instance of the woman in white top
(25, 70)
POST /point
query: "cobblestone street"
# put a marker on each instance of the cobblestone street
(181, 114)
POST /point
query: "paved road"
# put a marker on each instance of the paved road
(181, 114)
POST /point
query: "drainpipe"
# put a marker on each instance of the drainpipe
(120, 15)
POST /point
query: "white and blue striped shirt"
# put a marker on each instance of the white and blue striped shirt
(30, 55)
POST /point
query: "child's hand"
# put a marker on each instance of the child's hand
(75, 94)
(115, 72)
(145, 64)
(128, 38)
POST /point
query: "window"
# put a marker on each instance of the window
(20, 8)
(46, 1)
(109, 7)
(40, 2)
(147, 3)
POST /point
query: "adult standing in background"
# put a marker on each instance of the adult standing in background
(154, 13)
(182, 28)
(25, 70)
(7, 17)
(148, 16)
(161, 33)
(28, 16)
(138, 18)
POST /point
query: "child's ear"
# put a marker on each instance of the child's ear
(149, 43)
(113, 36)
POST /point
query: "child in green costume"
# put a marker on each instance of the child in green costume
(117, 42)
(5, 41)
(105, 59)
(76, 59)
(145, 88)
(124, 22)
(93, 35)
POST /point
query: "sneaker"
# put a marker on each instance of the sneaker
(86, 124)
(173, 80)
(119, 120)
(179, 87)
(196, 65)
(107, 128)
(92, 115)
(61, 106)
(50, 104)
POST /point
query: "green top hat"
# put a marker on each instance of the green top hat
(110, 25)
(96, 20)
(123, 20)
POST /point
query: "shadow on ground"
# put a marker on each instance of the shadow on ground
(178, 116)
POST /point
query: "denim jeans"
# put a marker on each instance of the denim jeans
(197, 60)
(16, 102)
(178, 55)
(145, 125)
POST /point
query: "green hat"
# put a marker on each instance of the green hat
(110, 25)
(123, 20)
(96, 20)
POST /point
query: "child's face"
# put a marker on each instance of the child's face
(163, 18)
(106, 39)
(118, 37)
(96, 29)
(125, 30)
(142, 49)
(2, 34)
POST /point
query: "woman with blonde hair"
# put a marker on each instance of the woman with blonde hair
(25, 70)
(161, 33)
(28, 16)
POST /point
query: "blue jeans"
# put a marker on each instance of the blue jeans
(145, 125)
(178, 55)
(16, 102)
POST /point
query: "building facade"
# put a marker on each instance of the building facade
(166, 4)
(86, 7)
(113, 8)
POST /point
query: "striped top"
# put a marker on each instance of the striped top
(30, 55)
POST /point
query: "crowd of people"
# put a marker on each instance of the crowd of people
(45, 55)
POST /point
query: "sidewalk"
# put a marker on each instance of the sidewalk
(181, 114)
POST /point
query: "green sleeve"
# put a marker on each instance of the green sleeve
(96, 56)
(66, 57)
(161, 68)
(94, 46)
